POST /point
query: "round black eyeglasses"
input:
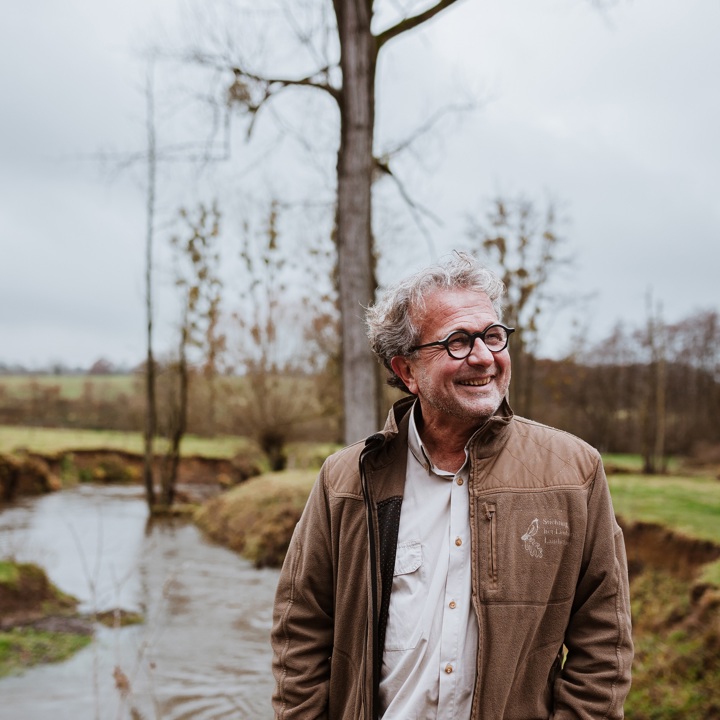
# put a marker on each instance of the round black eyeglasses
(459, 344)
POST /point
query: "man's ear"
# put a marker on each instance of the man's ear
(404, 370)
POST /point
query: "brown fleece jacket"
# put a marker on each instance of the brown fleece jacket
(549, 569)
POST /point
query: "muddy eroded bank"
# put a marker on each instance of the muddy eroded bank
(676, 625)
(653, 546)
(30, 473)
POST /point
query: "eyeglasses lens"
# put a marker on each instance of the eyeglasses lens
(460, 344)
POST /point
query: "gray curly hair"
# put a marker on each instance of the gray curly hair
(391, 321)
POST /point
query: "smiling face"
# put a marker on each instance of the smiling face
(456, 396)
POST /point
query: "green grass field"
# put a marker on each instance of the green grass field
(53, 441)
(71, 387)
(688, 505)
(632, 463)
(49, 441)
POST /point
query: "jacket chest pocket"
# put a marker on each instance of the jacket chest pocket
(527, 552)
(406, 600)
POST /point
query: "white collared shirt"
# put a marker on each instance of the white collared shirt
(429, 663)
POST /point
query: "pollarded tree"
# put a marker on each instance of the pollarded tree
(284, 338)
(351, 81)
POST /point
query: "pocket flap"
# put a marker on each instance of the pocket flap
(408, 558)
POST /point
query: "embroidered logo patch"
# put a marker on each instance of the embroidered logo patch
(531, 544)
(543, 532)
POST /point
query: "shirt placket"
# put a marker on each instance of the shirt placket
(456, 597)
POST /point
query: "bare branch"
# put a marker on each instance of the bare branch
(427, 127)
(306, 37)
(418, 212)
(412, 22)
(319, 80)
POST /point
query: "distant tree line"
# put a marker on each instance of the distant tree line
(640, 390)
(615, 394)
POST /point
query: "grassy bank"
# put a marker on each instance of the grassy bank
(675, 597)
(257, 518)
(50, 441)
(24, 647)
(28, 599)
(689, 506)
(676, 629)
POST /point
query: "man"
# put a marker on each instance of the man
(464, 563)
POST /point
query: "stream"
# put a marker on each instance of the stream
(203, 651)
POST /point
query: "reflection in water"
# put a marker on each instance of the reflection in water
(203, 652)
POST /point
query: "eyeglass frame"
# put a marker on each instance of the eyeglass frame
(471, 337)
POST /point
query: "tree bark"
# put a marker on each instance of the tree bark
(179, 426)
(358, 59)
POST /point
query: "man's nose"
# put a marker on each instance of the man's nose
(480, 355)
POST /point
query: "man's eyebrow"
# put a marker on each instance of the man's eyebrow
(464, 328)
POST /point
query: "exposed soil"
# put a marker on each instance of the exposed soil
(198, 477)
(26, 595)
(73, 624)
(29, 599)
(25, 475)
(657, 547)
(119, 465)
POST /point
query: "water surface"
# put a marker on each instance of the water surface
(203, 652)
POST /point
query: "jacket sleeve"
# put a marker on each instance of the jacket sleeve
(595, 679)
(302, 633)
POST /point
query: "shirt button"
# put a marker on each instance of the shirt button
(458, 541)
(459, 481)
(448, 669)
(452, 605)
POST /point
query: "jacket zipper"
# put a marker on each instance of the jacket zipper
(372, 444)
(492, 543)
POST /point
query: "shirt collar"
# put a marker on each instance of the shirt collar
(417, 448)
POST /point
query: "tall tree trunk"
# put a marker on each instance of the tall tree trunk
(356, 277)
(179, 426)
(150, 402)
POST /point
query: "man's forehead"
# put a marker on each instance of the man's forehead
(446, 308)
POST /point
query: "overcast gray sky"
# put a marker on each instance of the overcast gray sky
(613, 114)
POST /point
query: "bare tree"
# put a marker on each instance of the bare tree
(695, 347)
(653, 338)
(192, 152)
(351, 83)
(284, 342)
(150, 427)
(197, 278)
(526, 248)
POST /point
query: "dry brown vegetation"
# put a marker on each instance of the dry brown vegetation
(676, 626)
(24, 474)
(257, 518)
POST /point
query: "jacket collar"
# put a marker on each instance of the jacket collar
(489, 438)
(486, 440)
